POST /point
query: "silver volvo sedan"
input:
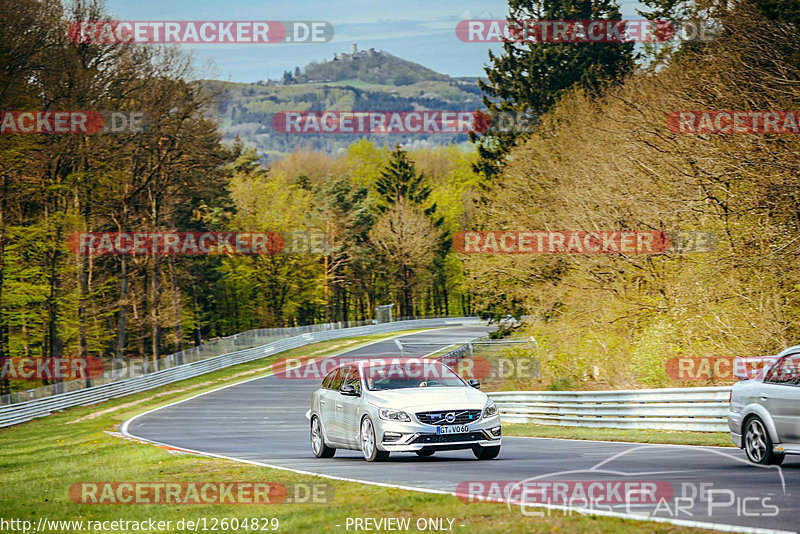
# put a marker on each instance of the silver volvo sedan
(402, 405)
(764, 416)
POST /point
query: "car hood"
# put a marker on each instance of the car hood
(434, 398)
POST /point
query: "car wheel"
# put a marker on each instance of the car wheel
(485, 453)
(318, 446)
(425, 452)
(369, 447)
(758, 444)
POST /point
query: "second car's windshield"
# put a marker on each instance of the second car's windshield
(411, 375)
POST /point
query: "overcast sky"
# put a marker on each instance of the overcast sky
(420, 31)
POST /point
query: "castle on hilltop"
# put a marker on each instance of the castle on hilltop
(356, 54)
(291, 78)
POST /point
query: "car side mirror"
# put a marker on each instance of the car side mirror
(474, 382)
(348, 390)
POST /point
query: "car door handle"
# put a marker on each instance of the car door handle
(322, 402)
(338, 405)
(764, 397)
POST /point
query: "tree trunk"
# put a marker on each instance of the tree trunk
(83, 283)
(122, 314)
(119, 352)
(197, 334)
(176, 310)
(56, 347)
(156, 294)
(141, 316)
(5, 387)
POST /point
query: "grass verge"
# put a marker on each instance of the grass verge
(42, 459)
(632, 435)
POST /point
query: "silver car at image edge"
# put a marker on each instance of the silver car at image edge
(764, 414)
(408, 406)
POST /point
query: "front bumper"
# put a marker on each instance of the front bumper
(412, 436)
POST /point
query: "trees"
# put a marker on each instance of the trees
(611, 163)
(53, 302)
(407, 240)
(528, 78)
(403, 192)
(343, 211)
(399, 179)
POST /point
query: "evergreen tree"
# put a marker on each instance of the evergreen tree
(400, 180)
(529, 77)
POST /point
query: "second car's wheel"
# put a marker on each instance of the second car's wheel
(318, 446)
(758, 444)
(485, 453)
(425, 452)
(369, 446)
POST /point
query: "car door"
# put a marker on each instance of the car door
(780, 395)
(348, 408)
(327, 408)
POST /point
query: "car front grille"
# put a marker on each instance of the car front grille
(440, 418)
(449, 438)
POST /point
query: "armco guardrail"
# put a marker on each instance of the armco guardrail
(25, 411)
(209, 349)
(699, 409)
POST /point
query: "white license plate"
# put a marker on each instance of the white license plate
(452, 429)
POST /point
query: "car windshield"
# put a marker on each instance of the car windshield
(410, 374)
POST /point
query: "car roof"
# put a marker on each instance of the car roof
(366, 363)
(374, 362)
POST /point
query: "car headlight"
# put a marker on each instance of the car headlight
(393, 415)
(490, 409)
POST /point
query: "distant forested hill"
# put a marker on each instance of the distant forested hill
(369, 81)
(372, 67)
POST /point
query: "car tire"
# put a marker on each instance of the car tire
(318, 446)
(758, 444)
(369, 445)
(425, 453)
(485, 453)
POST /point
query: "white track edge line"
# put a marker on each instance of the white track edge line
(636, 517)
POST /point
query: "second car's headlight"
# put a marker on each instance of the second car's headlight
(393, 415)
(490, 409)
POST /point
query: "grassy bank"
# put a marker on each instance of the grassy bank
(717, 439)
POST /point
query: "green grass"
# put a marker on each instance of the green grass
(40, 460)
(719, 439)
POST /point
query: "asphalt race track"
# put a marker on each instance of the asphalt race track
(264, 421)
